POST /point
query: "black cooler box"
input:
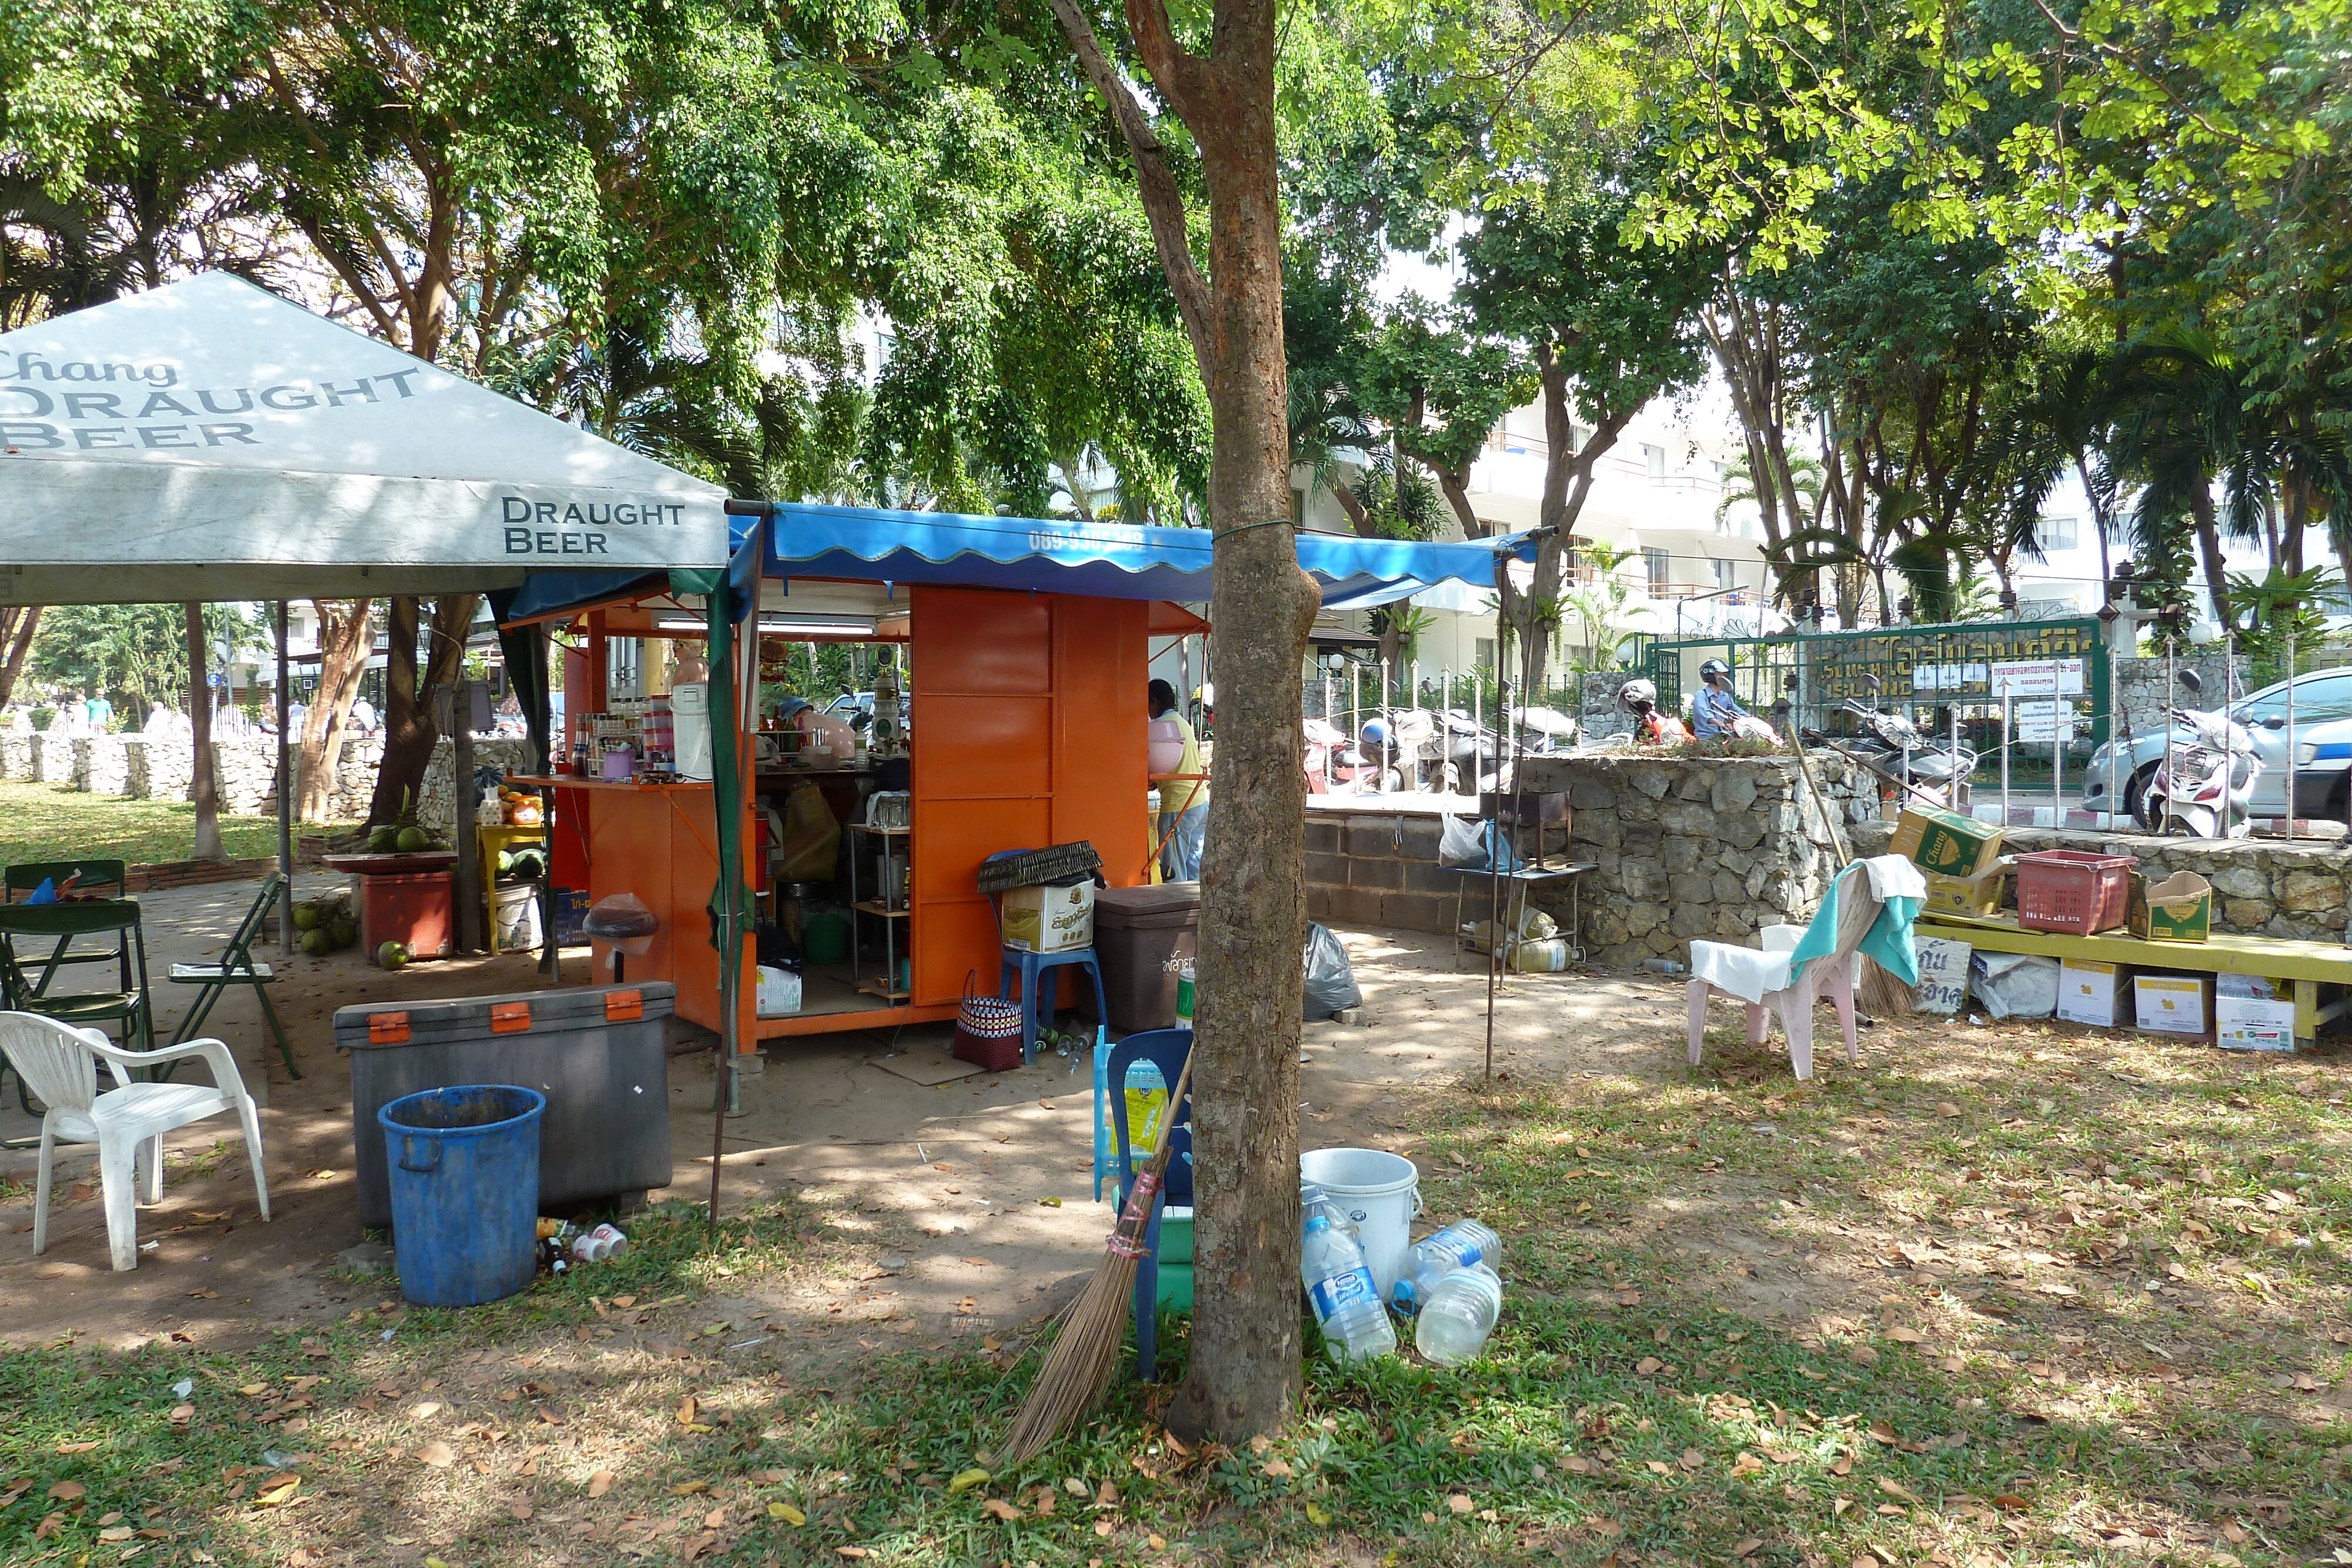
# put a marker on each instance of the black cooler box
(596, 1052)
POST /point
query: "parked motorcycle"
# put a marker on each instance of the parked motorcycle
(2205, 790)
(1894, 747)
(1334, 767)
(1544, 730)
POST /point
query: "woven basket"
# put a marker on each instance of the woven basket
(988, 1030)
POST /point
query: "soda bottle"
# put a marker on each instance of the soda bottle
(1458, 1314)
(1347, 1302)
(1463, 1244)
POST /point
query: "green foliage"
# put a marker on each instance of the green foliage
(137, 654)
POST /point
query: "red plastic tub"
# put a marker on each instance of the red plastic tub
(2072, 891)
(413, 908)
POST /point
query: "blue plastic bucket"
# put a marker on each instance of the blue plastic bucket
(464, 1191)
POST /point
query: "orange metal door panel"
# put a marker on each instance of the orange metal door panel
(1101, 666)
(1001, 745)
(954, 939)
(952, 837)
(999, 642)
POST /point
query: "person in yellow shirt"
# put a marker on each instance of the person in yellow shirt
(1183, 805)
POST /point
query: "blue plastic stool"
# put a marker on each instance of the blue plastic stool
(1032, 967)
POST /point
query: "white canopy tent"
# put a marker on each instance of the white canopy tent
(211, 441)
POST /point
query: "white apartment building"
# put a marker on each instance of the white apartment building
(1692, 566)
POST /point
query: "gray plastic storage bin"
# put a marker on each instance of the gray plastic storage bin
(596, 1052)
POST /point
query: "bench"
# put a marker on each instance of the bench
(2307, 965)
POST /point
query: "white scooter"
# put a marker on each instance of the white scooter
(2205, 787)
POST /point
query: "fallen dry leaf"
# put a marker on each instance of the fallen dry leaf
(600, 1483)
(999, 1509)
(787, 1513)
(1647, 1365)
(439, 1455)
(688, 1489)
(686, 1411)
(1901, 1335)
(1459, 1502)
(1748, 1545)
(65, 1491)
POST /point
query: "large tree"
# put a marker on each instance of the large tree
(1245, 1374)
(346, 642)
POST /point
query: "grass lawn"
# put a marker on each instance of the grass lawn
(52, 821)
(2013, 1295)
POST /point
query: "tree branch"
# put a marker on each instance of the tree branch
(1163, 204)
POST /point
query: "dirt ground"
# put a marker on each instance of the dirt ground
(943, 1175)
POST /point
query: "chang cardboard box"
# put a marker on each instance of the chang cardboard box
(2173, 1004)
(1946, 843)
(2094, 993)
(1978, 897)
(2177, 909)
(1050, 919)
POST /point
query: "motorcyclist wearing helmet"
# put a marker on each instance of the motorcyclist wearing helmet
(1713, 709)
(1640, 698)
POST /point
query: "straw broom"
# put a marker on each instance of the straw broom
(1080, 1367)
(1878, 994)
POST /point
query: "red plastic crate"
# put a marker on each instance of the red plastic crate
(2072, 891)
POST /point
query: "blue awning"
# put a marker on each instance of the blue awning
(1107, 560)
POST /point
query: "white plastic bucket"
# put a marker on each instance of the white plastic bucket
(517, 915)
(1380, 1192)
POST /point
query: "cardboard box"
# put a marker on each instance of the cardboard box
(2094, 993)
(1945, 841)
(2252, 1023)
(2177, 909)
(1978, 897)
(2173, 1004)
(1050, 919)
(1943, 975)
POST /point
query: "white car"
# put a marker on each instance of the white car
(2323, 735)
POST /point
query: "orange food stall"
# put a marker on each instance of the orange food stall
(1022, 647)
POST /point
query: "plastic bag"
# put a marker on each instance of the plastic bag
(2015, 984)
(1463, 844)
(623, 920)
(810, 837)
(1331, 979)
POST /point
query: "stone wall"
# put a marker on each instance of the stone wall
(245, 771)
(1698, 847)
(2265, 887)
(2140, 687)
(1602, 716)
(1377, 866)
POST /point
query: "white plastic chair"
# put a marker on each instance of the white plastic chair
(60, 1063)
(1760, 978)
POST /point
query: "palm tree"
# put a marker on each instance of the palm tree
(2180, 404)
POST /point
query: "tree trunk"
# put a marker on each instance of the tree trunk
(409, 730)
(1357, 518)
(2209, 551)
(345, 642)
(17, 629)
(203, 788)
(1244, 1375)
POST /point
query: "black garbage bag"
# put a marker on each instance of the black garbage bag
(1330, 979)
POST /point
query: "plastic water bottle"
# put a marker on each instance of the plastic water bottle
(1347, 1302)
(1313, 1200)
(1464, 1244)
(1458, 1316)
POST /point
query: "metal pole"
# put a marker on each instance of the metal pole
(1387, 728)
(2171, 696)
(1953, 791)
(2007, 733)
(2292, 758)
(286, 799)
(2060, 720)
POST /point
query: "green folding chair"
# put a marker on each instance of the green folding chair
(110, 878)
(53, 928)
(236, 967)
